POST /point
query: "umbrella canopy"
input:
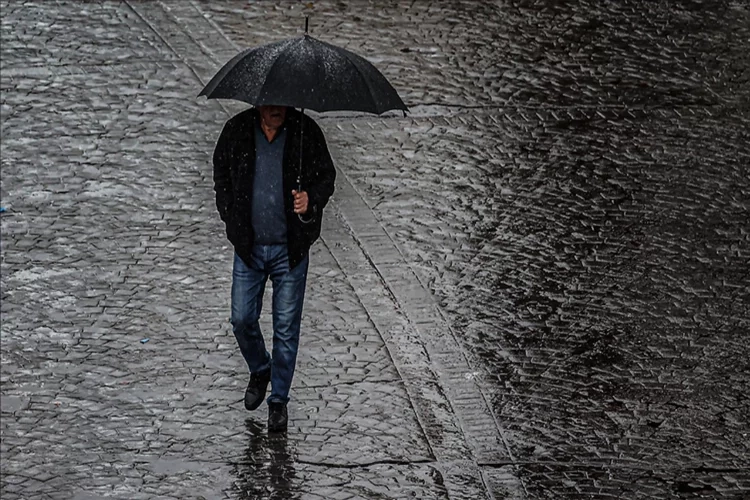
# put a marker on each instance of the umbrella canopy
(304, 73)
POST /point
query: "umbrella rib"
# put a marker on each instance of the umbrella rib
(224, 71)
(364, 79)
(273, 66)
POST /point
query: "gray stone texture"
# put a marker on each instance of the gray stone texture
(535, 285)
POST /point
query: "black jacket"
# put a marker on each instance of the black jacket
(234, 169)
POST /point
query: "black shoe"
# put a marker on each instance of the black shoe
(256, 389)
(277, 417)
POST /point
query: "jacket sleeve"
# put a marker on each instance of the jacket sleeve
(321, 184)
(222, 176)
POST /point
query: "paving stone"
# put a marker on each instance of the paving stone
(565, 320)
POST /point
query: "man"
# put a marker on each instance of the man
(271, 222)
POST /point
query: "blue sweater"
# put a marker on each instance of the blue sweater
(268, 217)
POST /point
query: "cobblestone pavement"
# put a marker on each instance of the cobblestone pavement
(533, 286)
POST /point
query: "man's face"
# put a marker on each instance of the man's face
(272, 116)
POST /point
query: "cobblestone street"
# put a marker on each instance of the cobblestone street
(535, 285)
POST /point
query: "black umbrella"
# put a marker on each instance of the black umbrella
(304, 73)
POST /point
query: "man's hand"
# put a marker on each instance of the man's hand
(300, 201)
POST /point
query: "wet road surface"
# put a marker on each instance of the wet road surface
(533, 286)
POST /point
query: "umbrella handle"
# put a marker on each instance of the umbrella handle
(301, 141)
(299, 172)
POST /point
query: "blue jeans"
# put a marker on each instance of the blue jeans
(248, 283)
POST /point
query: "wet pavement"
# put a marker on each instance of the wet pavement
(535, 285)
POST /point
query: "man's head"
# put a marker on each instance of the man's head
(272, 117)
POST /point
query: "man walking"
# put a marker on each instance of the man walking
(271, 222)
